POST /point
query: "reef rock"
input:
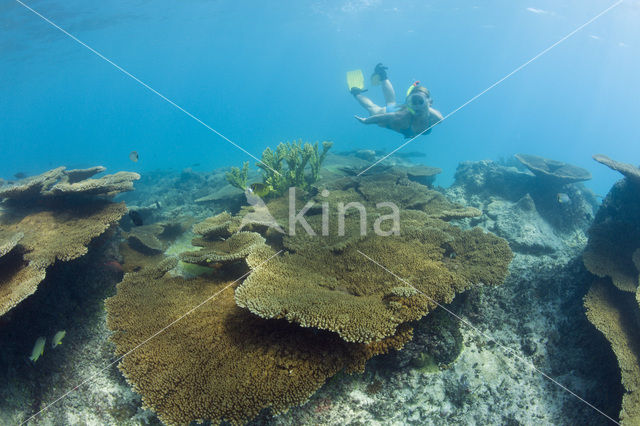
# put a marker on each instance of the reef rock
(521, 224)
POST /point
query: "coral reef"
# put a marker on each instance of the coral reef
(228, 364)
(341, 292)
(238, 177)
(52, 217)
(219, 226)
(613, 302)
(60, 182)
(218, 252)
(552, 171)
(296, 156)
(631, 172)
(616, 315)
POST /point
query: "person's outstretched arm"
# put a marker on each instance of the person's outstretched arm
(436, 114)
(382, 119)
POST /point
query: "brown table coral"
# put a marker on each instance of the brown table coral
(41, 225)
(555, 172)
(333, 286)
(324, 281)
(613, 301)
(219, 361)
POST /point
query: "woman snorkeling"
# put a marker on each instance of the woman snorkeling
(411, 118)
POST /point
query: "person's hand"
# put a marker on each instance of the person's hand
(360, 119)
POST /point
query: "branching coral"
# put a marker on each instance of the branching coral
(296, 156)
(238, 177)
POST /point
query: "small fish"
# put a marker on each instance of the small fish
(57, 338)
(38, 349)
(114, 265)
(20, 175)
(133, 156)
(260, 189)
(136, 217)
(563, 198)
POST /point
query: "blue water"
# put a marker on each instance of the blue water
(264, 72)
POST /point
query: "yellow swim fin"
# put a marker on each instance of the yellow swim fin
(355, 78)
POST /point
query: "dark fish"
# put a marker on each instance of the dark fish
(260, 189)
(133, 156)
(20, 175)
(136, 218)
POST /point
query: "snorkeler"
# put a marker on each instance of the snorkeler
(411, 118)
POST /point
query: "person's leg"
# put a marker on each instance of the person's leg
(368, 104)
(388, 92)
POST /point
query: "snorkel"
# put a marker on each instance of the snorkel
(418, 98)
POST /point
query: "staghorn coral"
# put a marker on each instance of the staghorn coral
(219, 362)
(296, 156)
(616, 315)
(238, 177)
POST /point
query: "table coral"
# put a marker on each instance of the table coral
(219, 361)
(52, 217)
(615, 313)
(49, 235)
(613, 301)
(336, 288)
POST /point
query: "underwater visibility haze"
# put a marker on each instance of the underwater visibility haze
(215, 211)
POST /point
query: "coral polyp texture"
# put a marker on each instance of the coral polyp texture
(219, 362)
(327, 282)
(312, 305)
(40, 225)
(613, 301)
